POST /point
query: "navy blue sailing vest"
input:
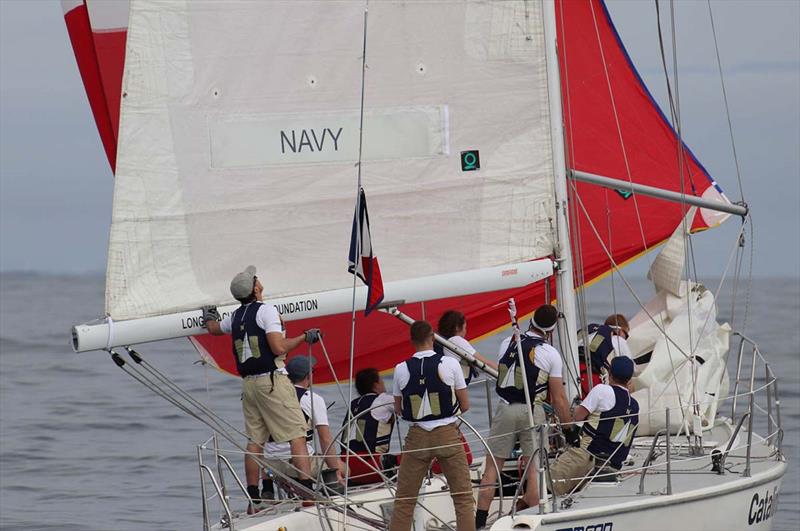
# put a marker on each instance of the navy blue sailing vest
(611, 432)
(368, 434)
(424, 378)
(250, 347)
(469, 372)
(600, 346)
(509, 363)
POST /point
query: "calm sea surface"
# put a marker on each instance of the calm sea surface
(83, 446)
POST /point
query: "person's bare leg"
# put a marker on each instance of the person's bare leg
(251, 467)
(532, 489)
(300, 459)
(489, 482)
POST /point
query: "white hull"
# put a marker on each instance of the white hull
(701, 499)
(734, 506)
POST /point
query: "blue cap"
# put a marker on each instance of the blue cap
(299, 367)
(622, 368)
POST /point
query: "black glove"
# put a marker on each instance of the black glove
(573, 435)
(313, 335)
(210, 313)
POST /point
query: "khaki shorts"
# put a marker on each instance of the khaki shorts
(271, 411)
(570, 468)
(509, 425)
(282, 466)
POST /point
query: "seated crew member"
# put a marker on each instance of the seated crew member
(543, 368)
(313, 406)
(606, 341)
(429, 389)
(371, 433)
(453, 327)
(259, 347)
(611, 416)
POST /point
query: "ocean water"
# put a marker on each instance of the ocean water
(83, 446)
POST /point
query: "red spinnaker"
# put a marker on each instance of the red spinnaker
(613, 128)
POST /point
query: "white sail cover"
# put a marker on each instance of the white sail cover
(239, 137)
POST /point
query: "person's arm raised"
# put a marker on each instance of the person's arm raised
(280, 345)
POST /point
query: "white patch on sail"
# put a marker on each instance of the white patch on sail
(258, 140)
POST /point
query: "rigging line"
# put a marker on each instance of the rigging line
(725, 99)
(185, 395)
(731, 257)
(139, 376)
(572, 188)
(359, 226)
(748, 289)
(628, 285)
(619, 131)
(738, 272)
(684, 209)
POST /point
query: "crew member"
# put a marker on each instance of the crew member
(612, 416)
(371, 433)
(606, 341)
(543, 368)
(429, 390)
(453, 327)
(269, 402)
(314, 409)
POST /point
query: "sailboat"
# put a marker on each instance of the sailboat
(509, 150)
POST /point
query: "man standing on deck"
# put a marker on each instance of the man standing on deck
(429, 390)
(269, 402)
(543, 368)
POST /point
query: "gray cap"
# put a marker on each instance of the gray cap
(243, 283)
(299, 367)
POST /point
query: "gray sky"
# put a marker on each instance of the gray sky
(56, 186)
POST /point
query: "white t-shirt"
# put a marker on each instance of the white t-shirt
(464, 345)
(546, 357)
(383, 408)
(267, 318)
(600, 399)
(320, 416)
(449, 372)
(621, 347)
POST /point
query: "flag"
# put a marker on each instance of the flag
(362, 261)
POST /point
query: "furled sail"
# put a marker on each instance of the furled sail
(202, 191)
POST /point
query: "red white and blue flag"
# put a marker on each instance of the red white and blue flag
(362, 261)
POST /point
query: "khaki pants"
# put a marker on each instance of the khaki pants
(286, 468)
(271, 409)
(570, 469)
(420, 448)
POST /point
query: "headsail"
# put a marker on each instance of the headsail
(443, 78)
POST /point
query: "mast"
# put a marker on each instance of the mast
(565, 285)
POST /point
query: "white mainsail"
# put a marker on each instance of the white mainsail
(231, 153)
